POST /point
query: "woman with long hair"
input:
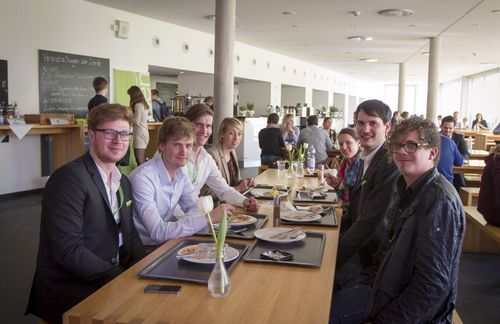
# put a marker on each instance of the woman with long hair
(289, 131)
(479, 123)
(140, 108)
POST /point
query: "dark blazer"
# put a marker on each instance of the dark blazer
(78, 245)
(458, 179)
(367, 220)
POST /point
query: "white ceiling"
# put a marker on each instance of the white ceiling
(470, 32)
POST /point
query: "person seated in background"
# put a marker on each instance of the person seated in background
(496, 131)
(160, 108)
(160, 185)
(271, 141)
(417, 274)
(289, 131)
(224, 154)
(201, 167)
(465, 123)
(327, 126)
(449, 156)
(317, 137)
(439, 118)
(210, 102)
(100, 85)
(458, 122)
(404, 115)
(87, 234)
(489, 193)
(448, 130)
(479, 123)
(349, 168)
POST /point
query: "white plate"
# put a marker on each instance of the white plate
(265, 234)
(205, 253)
(300, 216)
(241, 220)
(266, 193)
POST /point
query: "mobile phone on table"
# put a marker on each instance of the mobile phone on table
(163, 289)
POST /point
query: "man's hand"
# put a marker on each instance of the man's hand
(251, 204)
(216, 214)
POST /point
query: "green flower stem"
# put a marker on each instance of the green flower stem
(211, 228)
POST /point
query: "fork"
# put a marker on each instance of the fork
(286, 233)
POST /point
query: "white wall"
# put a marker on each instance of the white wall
(257, 92)
(64, 25)
(319, 98)
(196, 84)
(291, 95)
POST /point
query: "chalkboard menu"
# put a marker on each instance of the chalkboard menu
(66, 81)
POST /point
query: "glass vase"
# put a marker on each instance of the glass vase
(219, 283)
(300, 169)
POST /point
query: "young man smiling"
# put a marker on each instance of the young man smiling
(160, 186)
(416, 280)
(201, 167)
(365, 224)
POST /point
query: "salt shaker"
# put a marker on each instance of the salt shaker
(276, 211)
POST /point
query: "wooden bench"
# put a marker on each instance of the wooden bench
(469, 195)
(472, 180)
(480, 237)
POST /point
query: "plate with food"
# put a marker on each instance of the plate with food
(280, 234)
(241, 220)
(300, 216)
(268, 193)
(205, 253)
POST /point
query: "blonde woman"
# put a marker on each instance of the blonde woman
(140, 109)
(224, 154)
(289, 131)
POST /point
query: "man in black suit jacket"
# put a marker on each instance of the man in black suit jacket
(365, 225)
(447, 129)
(87, 235)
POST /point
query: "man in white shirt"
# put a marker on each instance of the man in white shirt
(201, 167)
(160, 186)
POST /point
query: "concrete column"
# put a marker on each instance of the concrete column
(401, 87)
(225, 15)
(433, 79)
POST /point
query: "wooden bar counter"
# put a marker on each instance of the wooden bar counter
(260, 293)
(68, 141)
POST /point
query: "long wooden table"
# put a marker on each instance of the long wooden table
(260, 293)
(473, 167)
(68, 141)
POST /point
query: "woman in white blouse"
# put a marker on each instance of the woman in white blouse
(140, 123)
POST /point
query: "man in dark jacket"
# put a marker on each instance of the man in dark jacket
(365, 225)
(87, 234)
(416, 281)
(448, 124)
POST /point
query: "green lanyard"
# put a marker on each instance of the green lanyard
(121, 199)
(193, 173)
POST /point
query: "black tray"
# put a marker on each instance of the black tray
(306, 253)
(327, 219)
(262, 186)
(331, 197)
(246, 235)
(311, 175)
(167, 266)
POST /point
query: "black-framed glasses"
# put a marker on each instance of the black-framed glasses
(111, 134)
(410, 147)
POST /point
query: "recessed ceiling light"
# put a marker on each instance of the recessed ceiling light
(476, 25)
(353, 26)
(181, 72)
(210, 17)
(424, 53)
(412, 26)
(356, 13)
(396, 12)
(369, 60)
(360, 38)
(495, 11)
(474, 54)
(295, 26)
(288, 13)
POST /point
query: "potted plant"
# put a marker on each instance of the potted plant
(250, 111)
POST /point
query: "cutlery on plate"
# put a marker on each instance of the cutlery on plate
(286, 233)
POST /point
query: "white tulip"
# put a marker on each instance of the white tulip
(205, 204)
(289, 147)
(305, 146)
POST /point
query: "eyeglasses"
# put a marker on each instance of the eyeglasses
(111, 134)
(410, 147)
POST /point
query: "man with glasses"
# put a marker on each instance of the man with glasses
(364, 226)
(87, 235)
(416, 280)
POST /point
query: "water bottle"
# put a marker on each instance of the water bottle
(311, 157)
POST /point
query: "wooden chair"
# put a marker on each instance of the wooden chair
(480, 237)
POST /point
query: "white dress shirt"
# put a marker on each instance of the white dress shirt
(367, 159)
(207, 172)
(156, 196)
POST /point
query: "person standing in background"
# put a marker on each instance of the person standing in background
(100, 85)
(160, 108)
(271, 141)
(458, 122)
(140, 109)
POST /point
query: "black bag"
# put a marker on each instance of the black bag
(165, 110)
